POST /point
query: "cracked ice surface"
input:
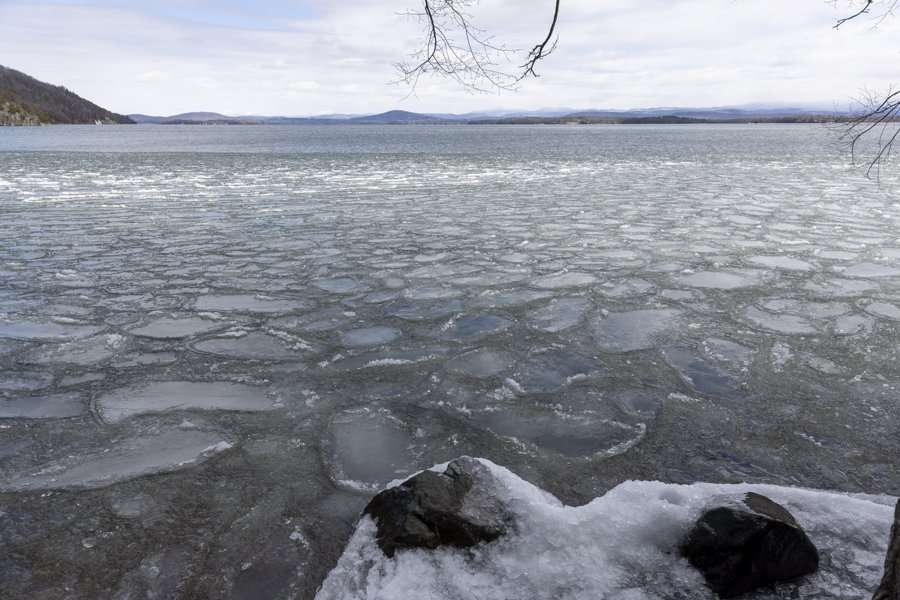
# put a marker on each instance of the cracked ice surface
(348, 305)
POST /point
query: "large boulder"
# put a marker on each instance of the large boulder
(890, 583)
(458, 507)
(748, 543)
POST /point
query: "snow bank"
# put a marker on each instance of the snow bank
(621, 546)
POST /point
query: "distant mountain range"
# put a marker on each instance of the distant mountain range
(393, 117)
(26, 101)
(795, 114)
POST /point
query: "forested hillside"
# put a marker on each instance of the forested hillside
(26, 101)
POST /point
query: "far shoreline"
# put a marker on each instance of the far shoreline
(508, 122)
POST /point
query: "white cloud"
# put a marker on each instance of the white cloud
(304, 86)
(616, 53)
(152, 76)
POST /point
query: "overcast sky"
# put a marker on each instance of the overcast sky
(303, 57)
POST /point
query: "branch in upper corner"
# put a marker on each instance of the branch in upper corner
(890, 6)
(543, 49)
(874, 129)
(458, 50)
(876, 123)
(859, 13)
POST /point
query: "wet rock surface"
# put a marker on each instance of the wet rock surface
(453, 508)
(751, 542)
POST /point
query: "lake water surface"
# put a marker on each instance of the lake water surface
(216, 343)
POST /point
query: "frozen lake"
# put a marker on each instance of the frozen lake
(217, 342)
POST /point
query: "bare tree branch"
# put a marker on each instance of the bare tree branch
(859, 13)
(874, 127)
(542, 50)
(890, 6)
(455, 48)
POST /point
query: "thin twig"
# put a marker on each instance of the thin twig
(862, 11)
(458, 50)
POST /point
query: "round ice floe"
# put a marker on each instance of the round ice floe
(853, 325)
(627, 288)
(515, 258)
(617, 256)
(491, 279)
(840, 288)
(719, 280)
(705, 377)
(430, 258)
(380, 297)
(636, 330)
(87, 351)
(441, 272)
(550, 371)
(789, 324)
(495, 299)
(837, 254)
(569, 434)
(341, 285)
(572, 279)
(165, 396)
(366, 448)
(54, 406)
(369, 336)
(253, 346)
(728, 351)
(679, 295)
(423, 311)
(399, 358)
(786, 263)
(324, 319)
(45, 331)
(473, 327)
(170, 329)
(20, 381)
(142, 359)
(66, 310)
(247, 303)
(883, 309)
(811, 310)
(481, 363)
(874, 270)
(71, 380)
(432, 293)
(559, 315)
(132, 457)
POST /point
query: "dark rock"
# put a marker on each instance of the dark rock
(453, 508)
(890, 583)
(748, 544)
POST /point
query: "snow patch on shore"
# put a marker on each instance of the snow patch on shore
(620, 546)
